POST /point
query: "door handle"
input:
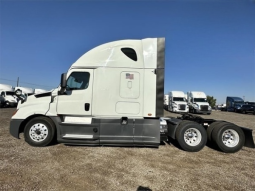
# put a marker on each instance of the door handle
(87, 106)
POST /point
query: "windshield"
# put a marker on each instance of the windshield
(10, 93)
(178, 99)
(239, 103)
(200, 100)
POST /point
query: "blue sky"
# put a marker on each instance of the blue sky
(210, 44)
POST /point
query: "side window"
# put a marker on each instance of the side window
(78, 81)
(129, 52)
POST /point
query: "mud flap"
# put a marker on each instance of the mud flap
(249, 142)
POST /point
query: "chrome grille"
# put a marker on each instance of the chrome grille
(182, 107)
(204, 107)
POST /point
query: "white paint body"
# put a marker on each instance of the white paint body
(111, 91)
(177, 102)
(39, 91)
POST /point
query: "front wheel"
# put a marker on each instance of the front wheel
(39, 131)
(228, 137)
(191, 136)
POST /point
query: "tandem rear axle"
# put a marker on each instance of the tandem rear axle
(192, 132)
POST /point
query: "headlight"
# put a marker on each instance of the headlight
(209, 107)
(195, 106)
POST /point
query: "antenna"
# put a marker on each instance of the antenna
(18, 82)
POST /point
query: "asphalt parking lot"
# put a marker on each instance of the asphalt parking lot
(61, 167)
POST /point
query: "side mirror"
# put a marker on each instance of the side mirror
(63, 80)
(19, 94)
(62, 84)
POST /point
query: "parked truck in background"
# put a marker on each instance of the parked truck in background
(7, 92)
(234, 103)
(166, 101)
(197, 102)
(178, 102)
(118, 101)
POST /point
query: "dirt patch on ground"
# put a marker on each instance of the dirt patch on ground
(61, 167)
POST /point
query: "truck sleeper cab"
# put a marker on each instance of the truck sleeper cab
(112, 95)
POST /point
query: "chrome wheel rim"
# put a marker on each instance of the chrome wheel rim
(230, 138)
(192, 137)
(38, 132)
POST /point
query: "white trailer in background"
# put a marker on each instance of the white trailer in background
(166, 101)
(7, 92)
(197, 102)
(39, 91)
(178, 102)
(5, 87)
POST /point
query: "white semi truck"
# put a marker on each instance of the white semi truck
(166, 101)
(113, 95)
(178, 102)
(198, 103)
(7, 92)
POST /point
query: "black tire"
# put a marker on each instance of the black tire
(194, 143)
(209, 130)
(230, 144)
(208, 113)
(43, 128)
(194, 111)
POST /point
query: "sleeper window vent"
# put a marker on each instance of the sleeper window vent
(129, 52)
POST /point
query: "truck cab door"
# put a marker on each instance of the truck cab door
(74, 108)
(78, 95)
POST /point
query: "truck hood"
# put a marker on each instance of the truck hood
(38, 99)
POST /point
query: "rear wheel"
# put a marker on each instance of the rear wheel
(39, 132)
(210, 129)
(228, 137)
(191, 136)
